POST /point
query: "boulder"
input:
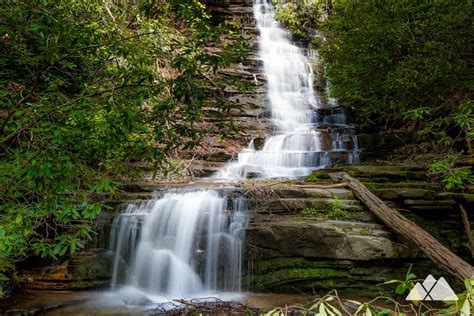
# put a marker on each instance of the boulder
(327, 239)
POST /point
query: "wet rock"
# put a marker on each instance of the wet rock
(294, 274)
(220, 156)
(394, 193)
(298, 204)
(302, 191)
(327, 239)
(86, 270)
(461, 197)
(252, 175)
(259, 143)
(326, 141)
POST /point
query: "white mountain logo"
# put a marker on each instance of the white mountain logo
(432, 290)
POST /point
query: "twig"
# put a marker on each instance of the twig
(108, 11)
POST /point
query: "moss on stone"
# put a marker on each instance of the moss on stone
(275, 264)
(276, 280)
(361, 281)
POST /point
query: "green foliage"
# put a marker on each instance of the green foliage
(299, 17)
(287, 14)
(403, 286)
(310, 211)
(451, 176)
(464, 303)
(85, 88)
(404, 64)
(336, 205)
(313, 177)
(335, 211)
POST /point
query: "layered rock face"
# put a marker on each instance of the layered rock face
(303, 238)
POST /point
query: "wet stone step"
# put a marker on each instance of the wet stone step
(395, 193)
(298, 204)
(250, 30)
(313, 193)
(460, 197)
(366, 175)
(243, 74)
(439, 203)
(433, 207)
(326, 239)
(371, 185)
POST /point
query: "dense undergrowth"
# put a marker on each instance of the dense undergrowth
(398, 65)
(85, 88)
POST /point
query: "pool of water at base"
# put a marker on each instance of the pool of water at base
(127, 301)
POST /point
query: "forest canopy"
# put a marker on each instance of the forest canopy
(85, 88)
(396, 64)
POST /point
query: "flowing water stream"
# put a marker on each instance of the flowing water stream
(182, 244)
(188, 243)
(300, 143)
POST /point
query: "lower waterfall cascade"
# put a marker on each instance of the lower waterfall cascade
(189, 241)
(181, 244)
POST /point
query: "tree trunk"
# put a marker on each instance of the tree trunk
(467, 227)
(441, 255)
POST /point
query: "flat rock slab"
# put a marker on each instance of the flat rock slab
(328, 239)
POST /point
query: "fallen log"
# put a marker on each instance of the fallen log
(440, 254)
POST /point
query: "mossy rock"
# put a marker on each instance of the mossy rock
(347, 277)
(90, 266)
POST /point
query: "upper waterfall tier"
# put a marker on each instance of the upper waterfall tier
(289, 74)
(303, 140)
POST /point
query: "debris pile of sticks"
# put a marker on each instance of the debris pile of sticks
(204, 306)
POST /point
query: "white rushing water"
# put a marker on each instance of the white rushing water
(296, 148)
(289, 75)
(181, 245)
(189, 243)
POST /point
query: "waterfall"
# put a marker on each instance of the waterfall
(289, 75)
(296, 148)
(190, 242)
(184, 244)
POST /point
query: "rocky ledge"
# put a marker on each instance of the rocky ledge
(303, 238)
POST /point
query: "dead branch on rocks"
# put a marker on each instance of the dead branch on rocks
(262, 193)
(205, 306)
(330, 303)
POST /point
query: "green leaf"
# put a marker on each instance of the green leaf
(466, 308)
(58, 248)
(322, 310)
(400, 289)
(391, 282)
(63, 251)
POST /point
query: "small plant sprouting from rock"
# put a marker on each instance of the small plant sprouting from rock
(451, 176)
(335, 211)
(313, 177)
(403, 286)
(335, 208)
(310, 211)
